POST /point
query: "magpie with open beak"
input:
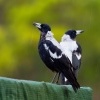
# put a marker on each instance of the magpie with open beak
(52, 55)
(72, 50)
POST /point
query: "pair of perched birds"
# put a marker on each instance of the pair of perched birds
(63, 58)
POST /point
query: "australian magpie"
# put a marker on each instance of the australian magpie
(72, 50)
(52, 55)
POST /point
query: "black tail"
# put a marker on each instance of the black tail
(72, 79)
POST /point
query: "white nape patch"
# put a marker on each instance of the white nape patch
(55, 42)
(78, 56)
(68, 46)
(50, 37)
(66, 38)
(54, 55)
(38, 25)
(46, 47)
(49, 34)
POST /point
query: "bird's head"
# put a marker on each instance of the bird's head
(73, 33)
(44, 28)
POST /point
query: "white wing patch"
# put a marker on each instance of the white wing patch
(78, 56)
(46, 47)
(54, 55)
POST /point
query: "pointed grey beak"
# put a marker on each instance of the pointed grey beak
(38, 25)
(79, 31)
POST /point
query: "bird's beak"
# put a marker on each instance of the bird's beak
(79, 32)
(38, 25)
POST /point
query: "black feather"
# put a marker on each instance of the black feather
(53, 57)
(60, 65)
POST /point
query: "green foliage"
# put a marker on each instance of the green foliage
(19, 39)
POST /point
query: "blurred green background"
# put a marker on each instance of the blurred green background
(19, 56)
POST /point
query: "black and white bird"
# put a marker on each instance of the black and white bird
(72, 50)
(52, 55)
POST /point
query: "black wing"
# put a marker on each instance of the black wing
(76, 59)
(45, 56)
(57, 61)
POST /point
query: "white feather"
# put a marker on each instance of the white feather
(78, 56)
(49, 36)
(68, 46)
(46, 47)
(54, 55)
(66, 79)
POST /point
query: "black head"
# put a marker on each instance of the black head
(73, 33)
(44, 28)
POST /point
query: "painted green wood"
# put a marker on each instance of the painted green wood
(13, 89)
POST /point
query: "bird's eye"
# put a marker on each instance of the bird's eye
(43, 26)
(74, 32)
